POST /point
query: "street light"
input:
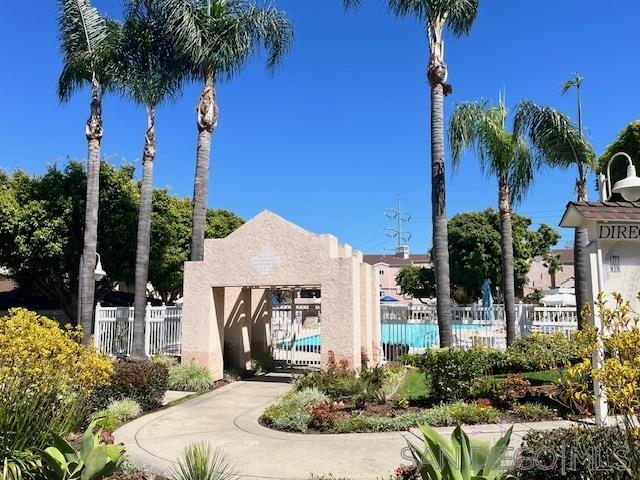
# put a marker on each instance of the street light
(628, 187)
(98, 274)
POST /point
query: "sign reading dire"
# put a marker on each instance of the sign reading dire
(619, 232)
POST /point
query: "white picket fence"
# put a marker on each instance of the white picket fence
(296, 339)
(113, 334)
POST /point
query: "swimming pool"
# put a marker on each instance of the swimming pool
(415, 335)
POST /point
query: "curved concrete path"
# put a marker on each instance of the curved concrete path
(228, 419)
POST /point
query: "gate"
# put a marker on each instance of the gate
(296, 338)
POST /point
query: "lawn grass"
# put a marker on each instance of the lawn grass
(414, 386)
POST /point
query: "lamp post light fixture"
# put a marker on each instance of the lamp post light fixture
(98, 274)
(628, 187)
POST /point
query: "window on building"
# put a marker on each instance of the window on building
(381, 272)
(614, 263)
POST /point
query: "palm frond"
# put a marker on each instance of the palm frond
(89, 42)
(154, 70)
(553, 137)
(477, 126)
(457, 15)
(574, 82)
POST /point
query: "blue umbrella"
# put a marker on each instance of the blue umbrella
(487, 299)
(388, 299)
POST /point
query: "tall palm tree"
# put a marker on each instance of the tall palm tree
(580, 234)
(456, 16)
(219, 37)
(561, 143)
(90, 45)
(153, 73)
(502, 155)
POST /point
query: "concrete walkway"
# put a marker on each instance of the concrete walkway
(228, 419)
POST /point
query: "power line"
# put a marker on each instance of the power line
(402, 236)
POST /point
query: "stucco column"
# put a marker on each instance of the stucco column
(261, 310)
(376, 326)
(366, 323)
(237, 329)
(202, 316)
(341, 313)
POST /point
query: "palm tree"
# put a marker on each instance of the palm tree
(219, 37)
(502, 155)
(561, 143)
(456, 16)
(90, 45)
(153, 73)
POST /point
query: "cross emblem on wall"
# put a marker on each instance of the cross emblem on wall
(265, 261)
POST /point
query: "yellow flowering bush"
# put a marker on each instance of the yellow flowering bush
(36, 347)
(46, 377)
(616, 348)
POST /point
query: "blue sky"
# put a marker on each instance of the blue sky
(340, 131)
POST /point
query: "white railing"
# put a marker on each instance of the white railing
(414, 328)
(113, 334)
(298, 341)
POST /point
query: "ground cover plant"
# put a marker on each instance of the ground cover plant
(189, 377)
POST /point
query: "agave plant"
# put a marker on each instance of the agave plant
(460, 458)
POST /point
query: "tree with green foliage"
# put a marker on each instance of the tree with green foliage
(41, 223)
(417, 282)
(476, 252)
(506, 157)
(90, 47)
(218, 38)
(628, 141)
(438, 16)
(153, 73)
(560, 143)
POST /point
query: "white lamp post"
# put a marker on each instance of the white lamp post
(628, 187)
(98, 274)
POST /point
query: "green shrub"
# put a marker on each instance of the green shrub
(165, 360)
(453, 371)
(117, 413)
(200, 462)
(189, 377)
(440, 416)
(502, 392)
(541, 351)
(534, 412)
(573, 454)
(291, 412)
(263, 363)
(143, 381)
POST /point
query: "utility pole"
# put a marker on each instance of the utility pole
(398, 232)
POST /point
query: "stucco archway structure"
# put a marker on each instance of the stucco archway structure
(227, 296)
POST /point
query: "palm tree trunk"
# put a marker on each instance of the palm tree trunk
(94, 136)
(439, 217)
(506, 243)
(580, 260)
(207, 122)
(144, 240)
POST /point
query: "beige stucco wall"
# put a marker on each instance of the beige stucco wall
(219, 311)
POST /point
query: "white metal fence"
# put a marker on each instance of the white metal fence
(113, 333)
(414, 328)
(296, 339)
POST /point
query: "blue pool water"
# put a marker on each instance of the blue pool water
(415, 335)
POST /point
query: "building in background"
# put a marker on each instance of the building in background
(388, 266)
(539, 277)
